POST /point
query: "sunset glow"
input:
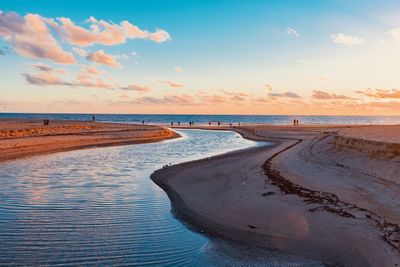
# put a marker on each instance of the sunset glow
(201, 57)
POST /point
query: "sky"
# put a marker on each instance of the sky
(299, 57)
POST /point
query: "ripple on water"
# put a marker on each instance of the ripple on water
(99, 206)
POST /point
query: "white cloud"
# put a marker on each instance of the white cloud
(395, 33)
(348, 40)
(268, 86)
(292, 31)
(80, 52)
(324, 78)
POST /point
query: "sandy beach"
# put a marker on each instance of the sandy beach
(22, 138)
(328, 193)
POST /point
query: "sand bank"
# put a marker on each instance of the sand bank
(376, 141)
(22, 138)
(302, 195)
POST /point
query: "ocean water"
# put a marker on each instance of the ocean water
(99, 207)
(204, 119)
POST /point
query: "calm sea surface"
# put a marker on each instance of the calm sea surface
(204, 119)
(99, 207)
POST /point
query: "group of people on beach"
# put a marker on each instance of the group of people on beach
(218, 123)
(191, 123)
(295, 122)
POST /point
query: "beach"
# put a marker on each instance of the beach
(323, 192)
(28, 137)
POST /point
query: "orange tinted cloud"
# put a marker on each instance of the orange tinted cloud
(213, 99)
(171, 84)
(178, 69)
(92, 70)
(87, 79)
(49, 76)
(102, 32)
(102, 58)
(44, 78)
(235, 96)
(30, 37)
(184, 100)
(325, 95)
(137, 88)
(381, 93)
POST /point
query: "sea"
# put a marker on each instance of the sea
(205, 119)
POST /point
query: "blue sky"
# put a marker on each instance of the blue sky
(253, 57)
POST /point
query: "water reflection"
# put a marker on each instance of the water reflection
(98, 206)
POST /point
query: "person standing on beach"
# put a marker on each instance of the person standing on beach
(209, 123)
(172, 123)
(143, 122)
(219, 123)
(179, 123)
(94, 118)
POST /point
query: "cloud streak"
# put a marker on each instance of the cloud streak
(381, 93)
(182, 99)
(317, 94)
(137, 88)
(285, 94)
(171, 83)
(292, 31)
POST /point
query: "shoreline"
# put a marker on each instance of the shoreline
(280, 214)
(289, 197)
(22, 138)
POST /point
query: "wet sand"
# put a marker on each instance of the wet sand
(23, 138)
(313, 193)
